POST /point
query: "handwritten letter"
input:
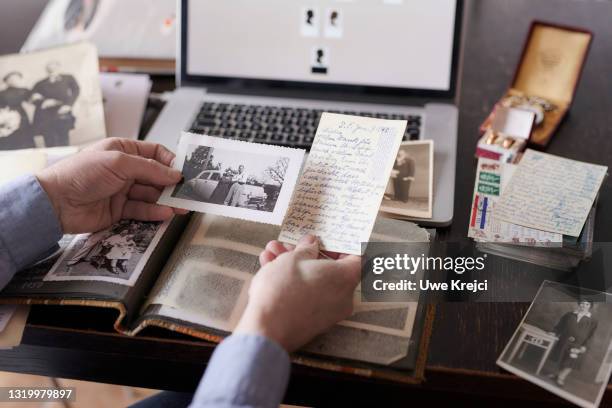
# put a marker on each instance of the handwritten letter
(551, 193)
(343, 181)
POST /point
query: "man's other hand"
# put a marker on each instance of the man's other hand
(296, 295)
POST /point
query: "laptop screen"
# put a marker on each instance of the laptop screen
(402, 44)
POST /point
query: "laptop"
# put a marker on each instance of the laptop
(264, 71)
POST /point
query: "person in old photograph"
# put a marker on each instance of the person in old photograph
(119, 249)
(294, 297)
(90, 249)
(54, 97)
(574, 331)
(404, 167)
(234, 195)
(14, 120)
(223, 187)
(309, 16)
(410, 187)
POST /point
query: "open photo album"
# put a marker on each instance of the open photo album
(191, 275)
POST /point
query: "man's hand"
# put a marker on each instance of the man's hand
(111, 180)
(296, 295)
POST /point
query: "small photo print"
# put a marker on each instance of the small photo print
(410, 188)
(564, 343)
(319, 60)
(50, 98)
(334, 23)
(234, 179)
(309, 21)
(116, 255)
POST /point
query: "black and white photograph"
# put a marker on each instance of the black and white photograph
(235, 179)
(309, 21)
(319, 60)
(410, 188)
(50, 98)
(334, 23)
(564, 343)
(116, 254)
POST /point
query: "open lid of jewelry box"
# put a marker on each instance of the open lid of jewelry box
(552, 61)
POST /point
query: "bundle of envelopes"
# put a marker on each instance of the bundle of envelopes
(540, 211)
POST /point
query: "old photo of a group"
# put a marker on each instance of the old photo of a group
(233, 178)
(50, 98)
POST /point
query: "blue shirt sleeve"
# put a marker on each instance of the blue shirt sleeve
(29, 227)
(244, 371)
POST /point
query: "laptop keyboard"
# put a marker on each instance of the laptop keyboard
(277, 125)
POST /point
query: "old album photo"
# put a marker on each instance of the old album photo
(233, 178)
(116, 254)
(50, 98)
(564, 343)
(409, 191)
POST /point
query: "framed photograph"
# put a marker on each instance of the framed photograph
(116, 255)
(235, 179)
(409, 191)
(51, 98)
(564, 343)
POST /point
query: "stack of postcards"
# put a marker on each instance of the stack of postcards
(540, 211)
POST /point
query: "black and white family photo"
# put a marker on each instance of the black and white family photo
(410, 188)
(111, 255)
(232, 178)
(564, 343)
(222, 177)
(46, 102)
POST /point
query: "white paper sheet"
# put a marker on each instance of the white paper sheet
(125, 100)
(551, 193)
(343, 181)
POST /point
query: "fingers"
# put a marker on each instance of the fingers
(143, 171)
(140, 192)
(147, 150)
(307, 247)
(266, 257)
(350, 267)
(142, 211)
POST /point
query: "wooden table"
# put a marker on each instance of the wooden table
(467, 337)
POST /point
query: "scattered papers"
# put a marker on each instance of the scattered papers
(125, 100)
(343, 181)
(235, 179)
(551, 193)
(492, 177)
(15, 163)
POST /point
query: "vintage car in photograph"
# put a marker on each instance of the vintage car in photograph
(203, 186)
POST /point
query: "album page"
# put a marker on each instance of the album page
(204, 286)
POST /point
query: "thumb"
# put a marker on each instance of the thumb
(307, 247)
(145, 171)
(350, 267)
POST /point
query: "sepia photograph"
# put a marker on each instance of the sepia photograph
(50, 98)
(116, 255)
(234, 179)
(409, 191)
(564, 343)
